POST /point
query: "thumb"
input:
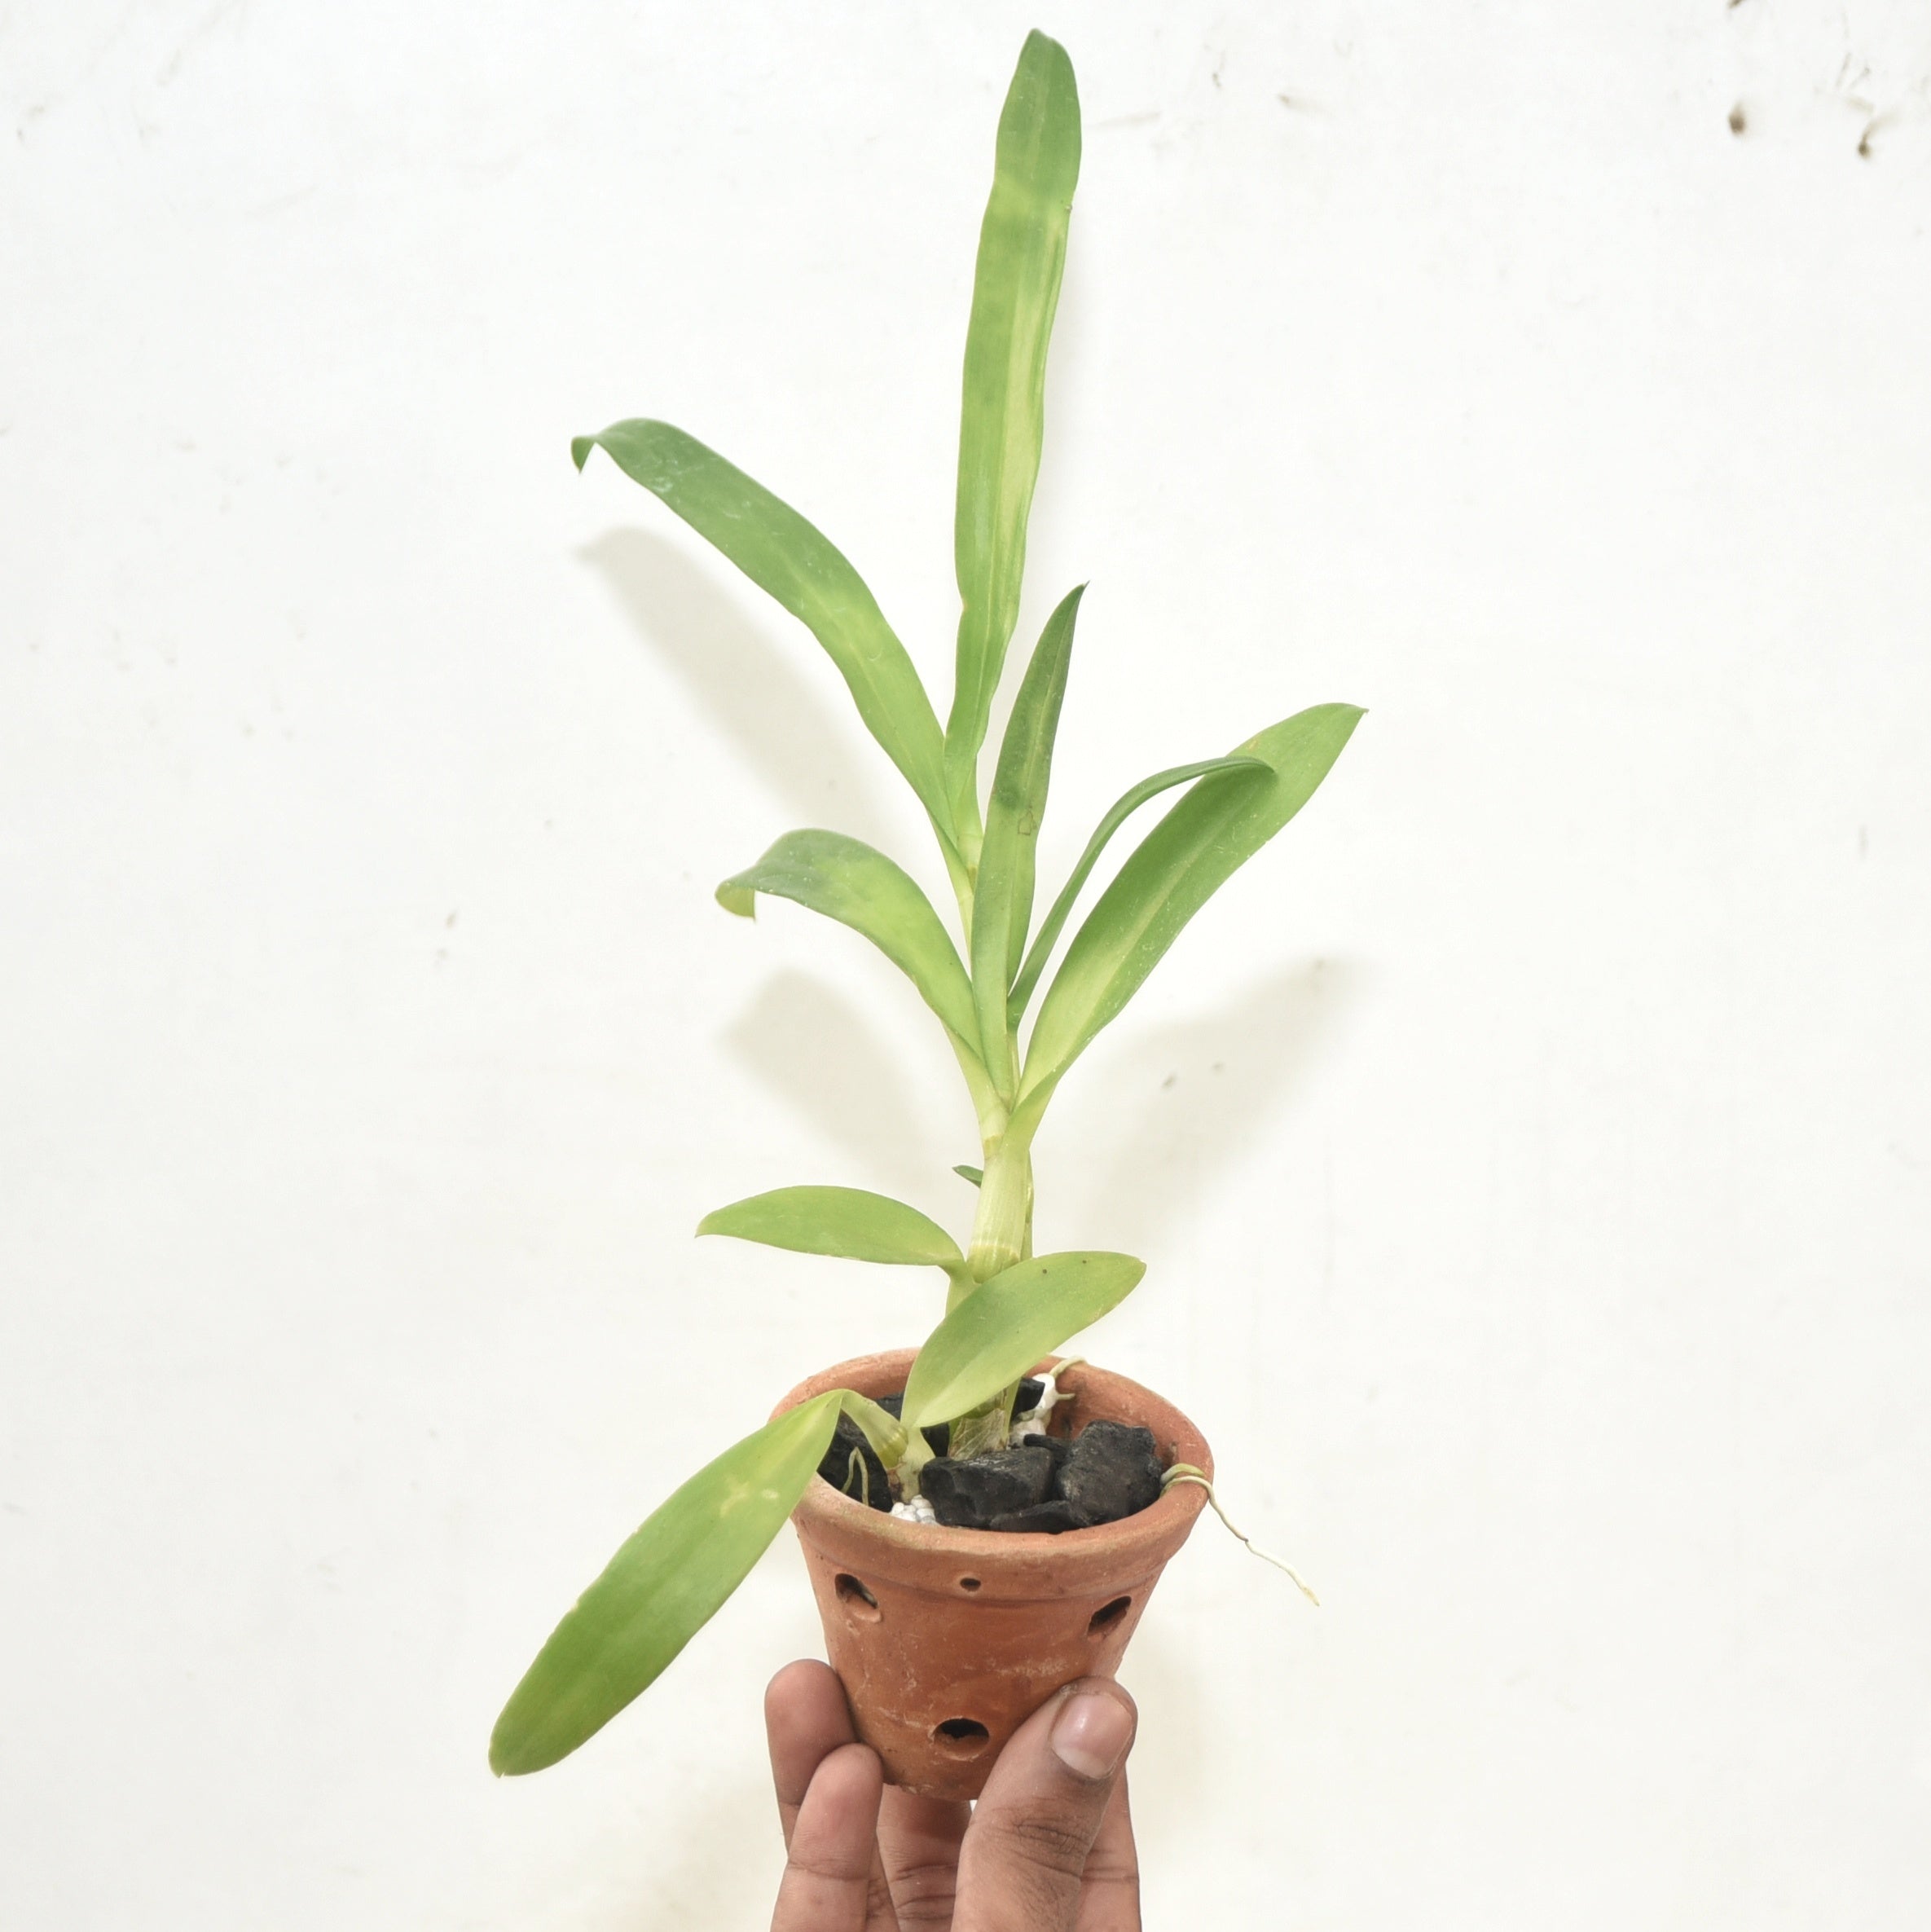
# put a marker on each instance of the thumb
(1026, 1849)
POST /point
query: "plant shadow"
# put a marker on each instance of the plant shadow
(1171, 1108)
(817, 1050)
(757, 697)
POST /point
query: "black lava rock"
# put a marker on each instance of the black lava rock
(1056, 1446)
(1049, 1518)
(1043, 1485)
(968, 1494)
(1113, 1471)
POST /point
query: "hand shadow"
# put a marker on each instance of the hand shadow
(725, 1871)
(753, 692)
(1176, 1103)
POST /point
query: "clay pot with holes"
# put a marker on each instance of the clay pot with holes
(947, 1640)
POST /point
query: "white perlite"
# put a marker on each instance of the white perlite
(917, 1511)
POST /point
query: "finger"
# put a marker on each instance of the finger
(918, 1840)
(831, 1881)
(1109, 1894)
(805, 1719)
(1025, 1853)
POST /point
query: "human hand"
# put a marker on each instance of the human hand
(1048, 1848)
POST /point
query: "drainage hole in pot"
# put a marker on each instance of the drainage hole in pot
(961, 1737)
(859, 1601)
(1104, 1618)
(969, 1582)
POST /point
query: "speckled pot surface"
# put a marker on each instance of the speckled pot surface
(948, 1640)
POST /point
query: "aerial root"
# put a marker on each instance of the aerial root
(859, 1467)
(1186, 1473)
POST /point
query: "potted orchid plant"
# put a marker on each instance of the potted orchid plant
(968, 1542)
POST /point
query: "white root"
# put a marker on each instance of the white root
(1034, 1421)
(858, 1467)
(1186, 1473)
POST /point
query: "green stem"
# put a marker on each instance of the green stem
(1001, 1236)
(1001, 1225)
(917, 1454)
(965, 878)
(986, 1106)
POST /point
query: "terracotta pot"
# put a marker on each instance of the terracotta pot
(948, 1640)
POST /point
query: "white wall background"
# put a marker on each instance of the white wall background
(1532, 1151)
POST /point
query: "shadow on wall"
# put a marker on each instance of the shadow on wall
(725, 1873)
(1163, 1113)
(1173, 1779)
(1169, 1110)
(816, 1048)
(758, 696)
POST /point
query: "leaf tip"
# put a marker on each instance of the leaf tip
(1348, 716)
(1042, 46)
(580, 448)
(505, 1760)
(740, 900)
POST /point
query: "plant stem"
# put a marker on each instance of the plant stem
(1002, 1222)
(964, 879)
(988, 1107)
(1001, 1227)
(1001, 1236)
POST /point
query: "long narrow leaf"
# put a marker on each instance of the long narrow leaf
(1002, 902)
(848, 881)
(782, 553)
(660, 1589)
(997, 1334)
(1213, 830)
(1022, 251)
(1123, 808)
(849, 1221)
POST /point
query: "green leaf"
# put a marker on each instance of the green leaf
(782, 553)
(996, 1335)
(1002, 901)
(837, 1221)
(1215, 829)
(846, 880)
(883, 1430)
(660, 1589)
(1022, 251)
(975, 1175)
(1123, 808)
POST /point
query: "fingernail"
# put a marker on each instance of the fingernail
(1091, 1734)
